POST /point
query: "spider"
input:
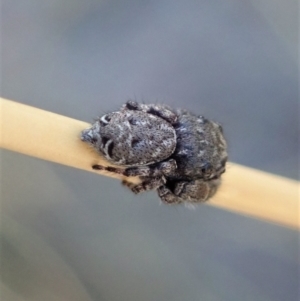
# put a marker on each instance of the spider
(180, 155)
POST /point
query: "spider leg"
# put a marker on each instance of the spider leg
(189, 191)
(157, 169)
(142, 171)
(167, 196)
(151, 176)
(109, 168)
(154, 170)
(193, 191)
(156, 110)
(145, 185)
(197, 191)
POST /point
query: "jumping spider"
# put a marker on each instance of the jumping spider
(175, 152)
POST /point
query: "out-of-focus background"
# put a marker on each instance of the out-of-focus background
(71, 235)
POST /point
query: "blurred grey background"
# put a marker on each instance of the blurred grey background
(71, 235)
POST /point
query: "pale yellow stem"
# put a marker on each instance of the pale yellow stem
(56, 138)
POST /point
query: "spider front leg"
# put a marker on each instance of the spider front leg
(156, 110)
(145, 185)
(152, 176)
(154, 170)
(109, 168)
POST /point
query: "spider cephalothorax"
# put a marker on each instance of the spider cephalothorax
(177, 153)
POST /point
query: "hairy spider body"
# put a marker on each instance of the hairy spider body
(175, 152)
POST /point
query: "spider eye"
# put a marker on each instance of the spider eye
(104, 120)
(107, 118)
(132, 121)
(134, 142)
